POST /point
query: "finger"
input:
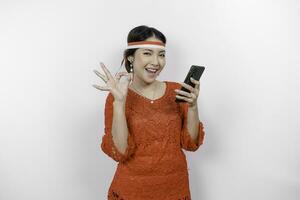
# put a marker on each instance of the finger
(119, 74)
(106, 71)
(190, 88)
(193, 96)
(197, 83)
(184, 98)
(100, 75)
(102, 88)
(183, 93)
(196, 92)
(130, 78)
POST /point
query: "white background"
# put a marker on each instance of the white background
(52, 118)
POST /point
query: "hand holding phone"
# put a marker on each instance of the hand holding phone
(195, 72)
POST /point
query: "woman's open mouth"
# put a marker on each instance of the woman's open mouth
(151, 72)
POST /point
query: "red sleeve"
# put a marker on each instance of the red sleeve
(186, 141)
(107, 145)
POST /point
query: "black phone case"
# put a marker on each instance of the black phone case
(195, 72)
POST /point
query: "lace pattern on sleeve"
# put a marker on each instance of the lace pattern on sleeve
(107, 144)
(186, 140)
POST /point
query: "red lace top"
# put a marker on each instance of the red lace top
(154, 166)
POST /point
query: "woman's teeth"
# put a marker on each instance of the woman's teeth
(151, 70)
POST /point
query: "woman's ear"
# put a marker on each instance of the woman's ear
(130, 58)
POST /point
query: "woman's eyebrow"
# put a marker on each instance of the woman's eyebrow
(152, 50)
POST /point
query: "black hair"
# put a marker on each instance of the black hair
(137, 34)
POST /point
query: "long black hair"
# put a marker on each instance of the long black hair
(137, 34)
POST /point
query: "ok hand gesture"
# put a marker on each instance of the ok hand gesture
(113, 84)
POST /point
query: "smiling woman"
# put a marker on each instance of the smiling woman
(145, 129)
(147, 60)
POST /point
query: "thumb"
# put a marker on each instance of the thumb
(129, 78)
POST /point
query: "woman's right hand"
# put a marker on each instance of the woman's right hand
(117, 88)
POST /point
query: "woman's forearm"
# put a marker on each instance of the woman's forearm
(119, 126)
(192, 122)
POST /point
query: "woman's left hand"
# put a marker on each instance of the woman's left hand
(191, 97)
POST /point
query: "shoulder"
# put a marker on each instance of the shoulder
(173, 84)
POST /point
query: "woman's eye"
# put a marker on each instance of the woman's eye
(147, 53)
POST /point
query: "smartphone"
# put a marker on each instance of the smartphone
(194, 72)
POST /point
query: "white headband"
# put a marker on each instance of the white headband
(146, 44)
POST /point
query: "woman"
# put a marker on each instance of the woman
(145, 129)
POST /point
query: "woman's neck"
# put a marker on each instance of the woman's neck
(143, 86)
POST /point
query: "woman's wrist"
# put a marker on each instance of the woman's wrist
(119, 104)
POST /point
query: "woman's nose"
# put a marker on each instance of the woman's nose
(155, 60)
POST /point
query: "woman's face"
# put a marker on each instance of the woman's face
(145, 59)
